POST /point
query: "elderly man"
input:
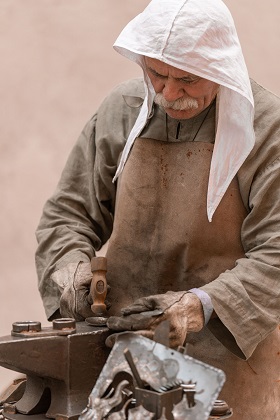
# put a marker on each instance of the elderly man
(181, 171)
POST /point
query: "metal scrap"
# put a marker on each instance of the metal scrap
(167, 384)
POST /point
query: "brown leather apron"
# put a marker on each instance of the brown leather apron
(163, 241)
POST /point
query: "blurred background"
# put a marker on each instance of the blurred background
(57, 64)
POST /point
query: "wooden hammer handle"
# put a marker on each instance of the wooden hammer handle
(98, 288)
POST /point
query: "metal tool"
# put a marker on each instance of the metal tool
(98, 291)
(158, 366)
(133, 368)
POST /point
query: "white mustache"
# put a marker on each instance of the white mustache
(180, 104)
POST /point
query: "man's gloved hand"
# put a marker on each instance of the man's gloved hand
(183, 310)
(74, 283)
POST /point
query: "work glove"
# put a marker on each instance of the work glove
(74, 282)
(183, 310)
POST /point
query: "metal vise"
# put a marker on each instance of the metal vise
(61, 363)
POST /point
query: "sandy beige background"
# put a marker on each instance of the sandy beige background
(56, 65)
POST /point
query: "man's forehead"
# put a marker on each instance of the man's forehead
(164, 68)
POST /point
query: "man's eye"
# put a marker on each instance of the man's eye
(189, 81)
(154, 73)
(159, 76)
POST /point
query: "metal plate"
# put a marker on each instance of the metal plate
(158, 365)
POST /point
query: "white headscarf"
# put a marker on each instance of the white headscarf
(199, 37)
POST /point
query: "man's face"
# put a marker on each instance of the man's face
(182, 95)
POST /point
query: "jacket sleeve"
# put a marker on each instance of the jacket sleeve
(78, 219)
(247, 298)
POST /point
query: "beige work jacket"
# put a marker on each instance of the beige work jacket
(78, 218)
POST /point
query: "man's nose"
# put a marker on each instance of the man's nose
(172, 90)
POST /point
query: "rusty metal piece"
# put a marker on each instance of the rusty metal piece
(158, 366)
(170, 385)
(61, 369)
(155, 402)
(36, 398)
(26, 326)
(190, 391)
(14, 391)
(220, 410)
(119, 377)
(9, 409)
(129, 359)
(182, 349)
(96, 321)
(121, 415)
(100, 408)
(60, 326)
(64, 323)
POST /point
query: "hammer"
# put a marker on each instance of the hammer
(98, 291)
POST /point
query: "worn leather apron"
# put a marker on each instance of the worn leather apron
(163, 241)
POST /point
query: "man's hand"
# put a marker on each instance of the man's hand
(74, 282)
(183, 310)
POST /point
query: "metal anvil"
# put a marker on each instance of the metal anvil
(61, 363)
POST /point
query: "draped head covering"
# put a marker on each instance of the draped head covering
(199, 37)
